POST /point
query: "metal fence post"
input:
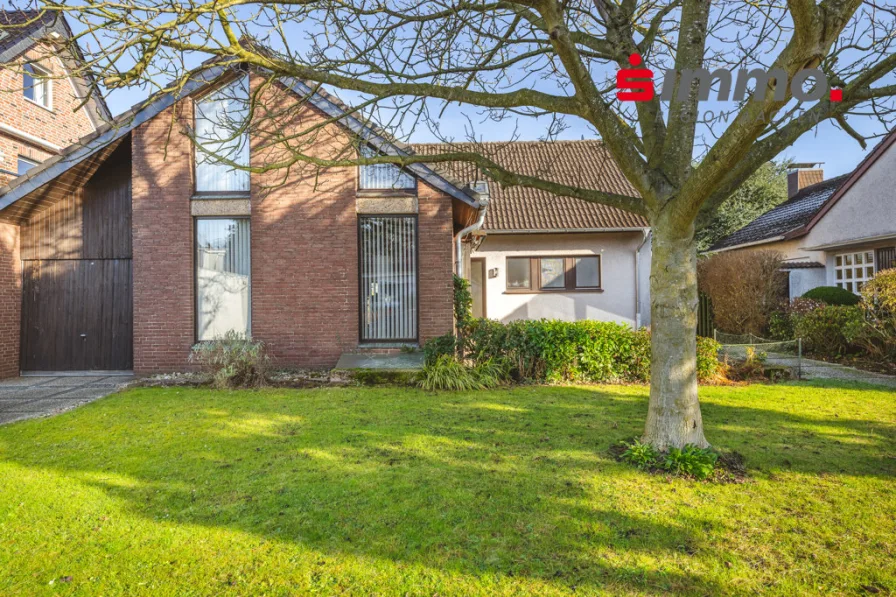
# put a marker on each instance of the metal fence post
(799, 358)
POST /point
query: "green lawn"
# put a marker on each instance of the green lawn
(400, 492)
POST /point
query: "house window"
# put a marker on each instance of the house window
(222, 277)
(388, 278)
(36, 86)
(25, 165)
(222, 139)
(553, 274)
(852, 270)
(382, 176)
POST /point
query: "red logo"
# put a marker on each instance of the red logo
(634, 84)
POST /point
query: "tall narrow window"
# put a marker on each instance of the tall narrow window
(223, 139)
(222, 277)
(388, 269)
(35, 85)
(382, 176)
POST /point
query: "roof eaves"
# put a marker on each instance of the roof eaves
(124, 124)
(772, 239)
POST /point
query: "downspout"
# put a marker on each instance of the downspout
(458, 247)
(646, 232)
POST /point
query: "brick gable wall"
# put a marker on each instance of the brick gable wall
(61, 126)
(304, 247)
(10, 300)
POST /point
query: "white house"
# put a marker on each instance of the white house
(539, 255)
(837, 232)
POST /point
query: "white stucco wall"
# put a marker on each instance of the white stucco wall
(804, 280)
(867, 210)
(615, 303)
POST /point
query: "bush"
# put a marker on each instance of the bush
(829, 330)
(745, 287)
(449, 373)
(581, 351)
(439, 346)
(878, 339)
(832, 295)
(233, 361)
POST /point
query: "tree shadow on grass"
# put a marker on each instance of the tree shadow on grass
(502, 484)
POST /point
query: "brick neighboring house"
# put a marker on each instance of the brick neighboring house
(835, 232)
(38, 118)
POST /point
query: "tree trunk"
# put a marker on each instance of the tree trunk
(674, 417)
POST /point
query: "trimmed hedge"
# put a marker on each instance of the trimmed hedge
(832, 295)
(555, 351)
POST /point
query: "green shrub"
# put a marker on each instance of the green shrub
(439, 346)
(829, 330)
(581, 351)
(708, 365)
(463, 303)
(491, 372)
(690, 461)
(642, 456)
(448, 373)
(878, 338)
(832, 295)
(233, 361)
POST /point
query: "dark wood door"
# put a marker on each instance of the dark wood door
(77, 315)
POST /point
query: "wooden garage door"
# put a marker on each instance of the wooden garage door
(77, 315)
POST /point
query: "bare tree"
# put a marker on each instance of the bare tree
(549, 63)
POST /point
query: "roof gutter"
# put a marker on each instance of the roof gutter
(638, 278)
(568, 230)
(29, 138)
(745, 245)
(458, 241)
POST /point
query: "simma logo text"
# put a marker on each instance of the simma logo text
(636, 84)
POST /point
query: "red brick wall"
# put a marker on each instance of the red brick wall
(304, 250)
(60, 126)
(10, 300)
(163, 249)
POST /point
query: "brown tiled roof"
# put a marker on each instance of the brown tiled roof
(577, 163)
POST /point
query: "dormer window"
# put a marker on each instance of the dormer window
(36, 85)
(382, 176)
(222, 139)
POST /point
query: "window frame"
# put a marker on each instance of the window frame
(195, 265)
(22, 158)
(411, 190)
(851, 268)
(569, 269)
(43, 78)
(197, 99)
(361, 339)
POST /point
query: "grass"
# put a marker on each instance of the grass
(401, 492)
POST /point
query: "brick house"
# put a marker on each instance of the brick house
(138, 241)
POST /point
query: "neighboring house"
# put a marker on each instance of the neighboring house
(134, 244)
(41, 111)
(837, 232)
(539, 255)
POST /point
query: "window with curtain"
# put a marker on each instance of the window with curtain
(382, 176)
(222, 277)
(388, 256)
(222, 137)
(35, 86)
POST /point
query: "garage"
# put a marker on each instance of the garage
(77, 298)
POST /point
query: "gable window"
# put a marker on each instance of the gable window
(25, 164)
(222, 277)
(553, 274)
(388, 271)
(852, 270)
(222, 139)
(382, 176)
(36, 86)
